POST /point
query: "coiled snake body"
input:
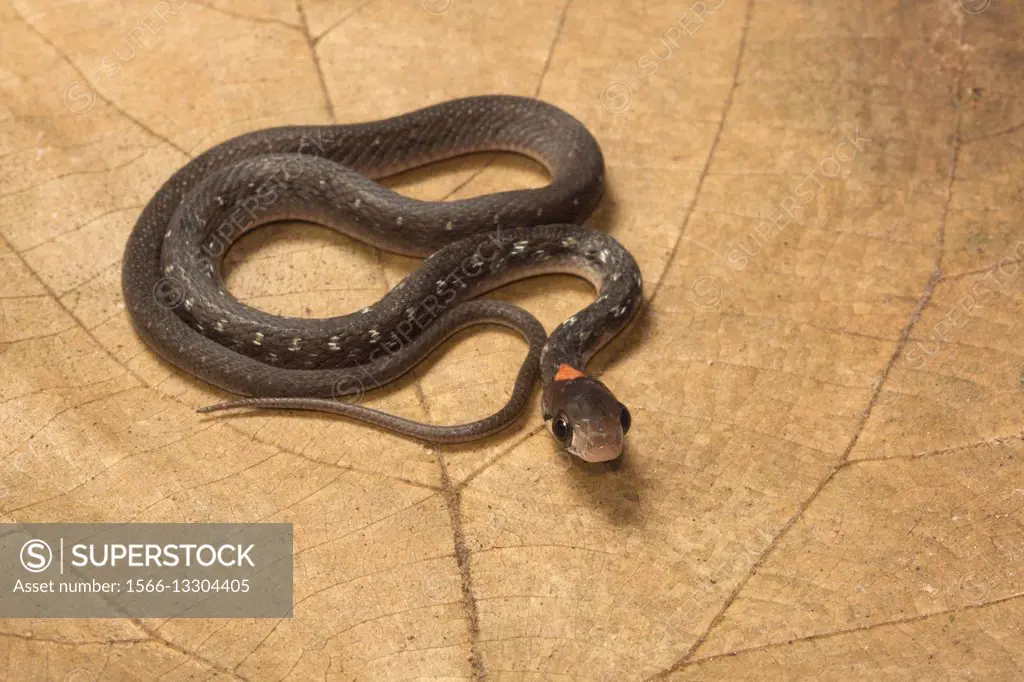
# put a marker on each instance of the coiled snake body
(178, 302)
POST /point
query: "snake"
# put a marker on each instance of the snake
(178, 303)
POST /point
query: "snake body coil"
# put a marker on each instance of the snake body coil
(178, 303)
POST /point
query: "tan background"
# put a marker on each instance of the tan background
(825, 475)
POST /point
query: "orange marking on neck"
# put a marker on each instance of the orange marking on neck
(566, 372)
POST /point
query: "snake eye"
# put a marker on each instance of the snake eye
(560, 429)
(625, 419)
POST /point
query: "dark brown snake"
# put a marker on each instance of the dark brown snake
(178, 302)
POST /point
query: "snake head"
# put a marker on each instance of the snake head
(584, 416)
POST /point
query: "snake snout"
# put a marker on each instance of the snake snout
(597, 441)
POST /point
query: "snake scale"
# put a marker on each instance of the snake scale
(178, 302)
